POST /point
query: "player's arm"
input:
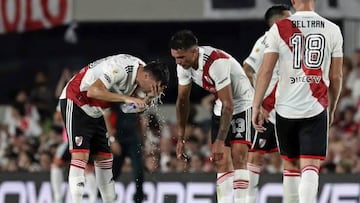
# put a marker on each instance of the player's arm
(335, 77)
(226, 98)
(264, 77)
(182, 109)
(220, 73)
(249, 71)
(261, 84)
(99, 91)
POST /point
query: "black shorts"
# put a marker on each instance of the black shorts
(241, 130)
(303, 138)
(265, 142)
(85, 133)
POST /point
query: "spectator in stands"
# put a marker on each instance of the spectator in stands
(41, 96)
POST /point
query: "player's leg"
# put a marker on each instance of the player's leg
(313, 146)
(77, 175)
(287, 137)
(224, 167)
(135, 153)
(263, 143)
(62, 157)
(254, 164)
(103, 162)
(118, 160)
(291, 180)
(241, 133)
(77, 125)
(225, 177)
(91, 181)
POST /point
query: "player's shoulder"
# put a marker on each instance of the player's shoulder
(261, 40)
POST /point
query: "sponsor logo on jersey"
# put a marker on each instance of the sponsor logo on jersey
(79, 140)
(238, 135)
(223, 80)
(305, 79)
(129, 69)
(107, 77)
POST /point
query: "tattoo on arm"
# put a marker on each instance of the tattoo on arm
(225, 120)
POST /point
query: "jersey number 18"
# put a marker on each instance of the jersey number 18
(308, 50)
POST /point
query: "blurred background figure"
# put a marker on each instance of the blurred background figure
(126, 142)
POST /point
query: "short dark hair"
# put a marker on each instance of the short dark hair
(276, 10)
(183, 39)
(159, 70)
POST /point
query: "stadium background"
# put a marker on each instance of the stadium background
(142, 28)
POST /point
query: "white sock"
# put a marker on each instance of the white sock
(56, 179)
(291, 182)
(104, 180)
(91, 184)
(254, 174)
(241, 183)
(224, 187)
(77, 179)
(308, 184)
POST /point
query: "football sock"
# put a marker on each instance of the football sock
(224, 186)
(77, 179)
(104, 180)
(309, 184)
(56, 180)
(240, 185)
(91, 185)
(291, 181)
(254, 174)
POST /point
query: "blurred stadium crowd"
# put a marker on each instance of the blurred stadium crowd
(29, 134)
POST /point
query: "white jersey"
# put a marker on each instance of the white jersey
(257, 54)
(216, 70)
(254, 60)
(118, 74)
(306, 42)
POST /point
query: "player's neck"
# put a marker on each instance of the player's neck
(305, 7)
(196, 61)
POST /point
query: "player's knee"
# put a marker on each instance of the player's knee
(255, 158)
(223, 165)
(57, 162)
(80, 155)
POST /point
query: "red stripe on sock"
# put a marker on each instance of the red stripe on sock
(310, 167)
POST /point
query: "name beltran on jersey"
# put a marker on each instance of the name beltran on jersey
(308, 24)
(306, 79)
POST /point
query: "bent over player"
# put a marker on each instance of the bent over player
(82, 101)
(219, 73)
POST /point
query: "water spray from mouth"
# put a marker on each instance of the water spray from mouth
(156, 101)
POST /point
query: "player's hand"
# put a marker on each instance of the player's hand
(180, 150)
(115, 148)
(258, 120)
(140, 103)
(156, 90)
(217, 151)
(265, 114)
(331, 117)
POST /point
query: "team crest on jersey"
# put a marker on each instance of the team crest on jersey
(262, 142)
(79, 140)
